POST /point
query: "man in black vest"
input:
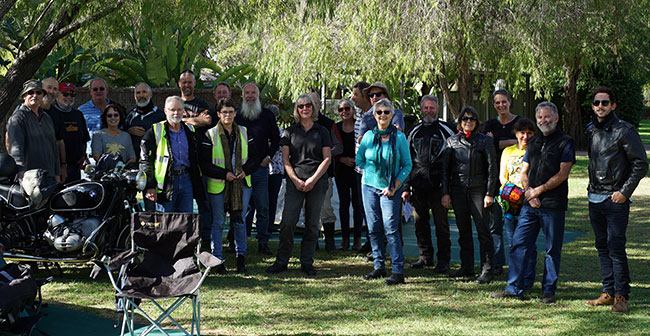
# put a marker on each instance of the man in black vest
(546, 166)
(617, 163)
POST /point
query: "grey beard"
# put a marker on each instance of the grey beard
(143, 104)
(173, 120)
(429, 121)
(49, 100)
(251, 112)
(547, 128)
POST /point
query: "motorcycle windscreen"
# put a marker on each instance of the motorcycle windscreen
(82, 196)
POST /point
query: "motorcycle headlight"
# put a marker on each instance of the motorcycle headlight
(141, 180)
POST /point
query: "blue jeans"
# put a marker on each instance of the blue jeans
(217, 203)
(531, 220)
(496, 230)
(382, 216)
(275, 182)
(182, 197)
(260, 186)
(509, 225)
(609, 221)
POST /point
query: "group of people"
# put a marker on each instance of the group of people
(508, 175)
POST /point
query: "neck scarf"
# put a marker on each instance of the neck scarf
(466, 134)
(599, 124)
(233, 190)
(386, 168)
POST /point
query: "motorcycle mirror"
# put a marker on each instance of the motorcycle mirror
(89, 168)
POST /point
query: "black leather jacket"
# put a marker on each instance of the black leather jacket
(470, 163)
(617, 159)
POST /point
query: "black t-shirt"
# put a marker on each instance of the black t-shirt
(500, 132)
(306, 148)
(75, 134)
(196, 106)
(143, 117)
(56, 119)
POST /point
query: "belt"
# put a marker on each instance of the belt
(179, 171)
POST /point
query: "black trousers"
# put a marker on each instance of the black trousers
(424, 201)
(348, 187)
(468, 204)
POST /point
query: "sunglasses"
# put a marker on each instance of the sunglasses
(112, 115)
(376, 94)
(380, 112)
(346, 108)
(302, 106)
(69, 94)
(101, 88)
(599, 102)
(466, 118)
(36, 92)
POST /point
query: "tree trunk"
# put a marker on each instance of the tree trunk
(572, 117)
(446, 92)
(5, 6)
(464, 83)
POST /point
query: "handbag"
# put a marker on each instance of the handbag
(511, 198)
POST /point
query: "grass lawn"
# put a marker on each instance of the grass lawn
(644, 131)
(339, 302)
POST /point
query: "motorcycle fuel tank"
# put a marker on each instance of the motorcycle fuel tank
(82, 196)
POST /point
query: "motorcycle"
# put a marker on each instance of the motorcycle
(77, 222)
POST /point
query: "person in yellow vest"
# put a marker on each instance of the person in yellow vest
(168, 155)
(224, 153)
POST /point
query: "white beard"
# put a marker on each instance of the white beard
(49, 100)
(251, 112)
(174, 120)
(548, 127)
(143, 104)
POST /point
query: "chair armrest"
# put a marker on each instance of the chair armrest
(208, 260)
(121, 259)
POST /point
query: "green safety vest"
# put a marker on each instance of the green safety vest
(216, 186)
(162, 154)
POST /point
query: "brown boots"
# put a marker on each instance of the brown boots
(618, 302)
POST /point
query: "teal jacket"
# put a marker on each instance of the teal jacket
(366, 159)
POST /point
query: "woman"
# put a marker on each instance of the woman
(386, 161)
(306, 148)
(110, 139)
(346, 177)
(511, 196)
(224, 160)
(469, 177)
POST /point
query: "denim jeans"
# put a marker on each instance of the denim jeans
(182, 197)
(382, 216)
(468, 204)
(509, 225)
(293, 203)
(609, 221)
(217, 203)
(423, 201)
(260, 196)
(531, 220)
(496, 230)
(275, 183)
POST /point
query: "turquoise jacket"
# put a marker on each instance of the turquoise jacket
(366, 159)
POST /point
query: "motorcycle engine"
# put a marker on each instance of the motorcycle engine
(67, 236)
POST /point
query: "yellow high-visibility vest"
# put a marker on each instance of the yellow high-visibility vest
(162, 154)
(216, 186)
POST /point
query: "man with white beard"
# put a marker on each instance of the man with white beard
(169, 157)
(51, 87)
(265, 135)
(142, 116)
(75, 132)
(423, 187)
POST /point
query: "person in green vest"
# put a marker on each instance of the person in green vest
(169, 157)
(224, 153)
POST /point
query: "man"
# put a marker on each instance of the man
(617, 163)
(51, 87)
(30, 131)
(264, 133)
(142, 116)
(423, 187)
(327, 216)
(545, 170)
(170, 160)
(500, 129)
(75, 132)
(221, 91)
(92, 109)
(198, 114)
(375, 93)
(360, 99)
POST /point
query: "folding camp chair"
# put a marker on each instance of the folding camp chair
(161, 264)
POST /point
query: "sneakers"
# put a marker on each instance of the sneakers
(395, 279)
(276, 268)
(484, 278)
(264, 249)
(504, 294)
(620, 304)
(375, 274)
(421, 263)
(548, 298)
(605, 299)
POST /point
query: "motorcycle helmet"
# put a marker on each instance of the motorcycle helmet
(8, 167)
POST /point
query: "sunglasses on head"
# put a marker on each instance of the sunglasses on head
(380, 112)
(302, 106)
(101, 88)
(376, 94)
(36, 92)
(69, 94)
(112, 115)
(345, 108)
(599, 102)
(466, 118)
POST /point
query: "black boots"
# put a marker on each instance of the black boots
(241, 264)
(328, 229)
(345, 242)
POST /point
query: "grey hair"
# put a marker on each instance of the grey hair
(142, 83)
(44, 79)
(384, 102)
(349, 102)
(314, 112)
(252, 83)
(546, 104)
(98, 79)
(429, 97)
(173, 98)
